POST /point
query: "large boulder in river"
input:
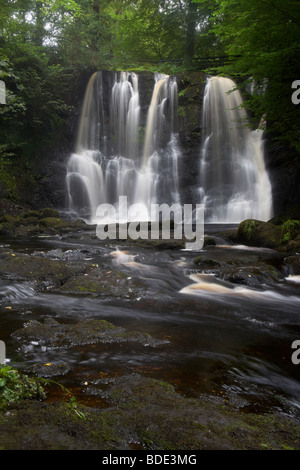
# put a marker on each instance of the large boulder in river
(257, 233)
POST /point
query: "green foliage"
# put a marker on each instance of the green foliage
(15, 106)
(45, 43)
(6, 174)
(289, 229)
(15, 387)
(262, 38)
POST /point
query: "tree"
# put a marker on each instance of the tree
(262, 37)
(191, 22)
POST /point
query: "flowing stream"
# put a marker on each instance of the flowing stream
(218, 338)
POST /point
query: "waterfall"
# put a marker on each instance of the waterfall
(85, 177)
(125, 110)
(111, 158)
(234, 184)
(157, 180)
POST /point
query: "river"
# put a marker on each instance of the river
(217, 338)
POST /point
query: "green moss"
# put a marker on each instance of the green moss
(248, 228)
(50, 221)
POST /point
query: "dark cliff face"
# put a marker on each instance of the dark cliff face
(190, 90)
(50, 189)
(284, 170)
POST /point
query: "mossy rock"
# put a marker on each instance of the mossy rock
(148, 413)
(88, 331)
(293, 264)
(294, 245)
(257, 233)
(48, 212)
(9, 225)
(9, 219)
(50, 222)
(33, 213)
(39, 269)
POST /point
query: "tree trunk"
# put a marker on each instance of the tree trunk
(39, 25)
(191, 22)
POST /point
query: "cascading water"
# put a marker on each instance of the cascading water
(157, 180)
(111, 160)
(234, 184)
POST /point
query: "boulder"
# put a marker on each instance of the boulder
(257, 233)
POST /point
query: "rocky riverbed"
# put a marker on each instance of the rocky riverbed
(155, 345)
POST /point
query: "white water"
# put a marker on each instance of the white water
(121, 151)
(209, 286)
(234, 183)
(110, 161)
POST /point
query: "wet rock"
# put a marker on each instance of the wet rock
(292, 264)
(254, 276)
(39, 269)
(50, 369)
(171, 244)
(106, 283)
(284, 237)
(294, 245)
(92, 331)
(67, 255)
(207, 263)
(250, 267)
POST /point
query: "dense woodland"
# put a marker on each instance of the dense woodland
(46, 44)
